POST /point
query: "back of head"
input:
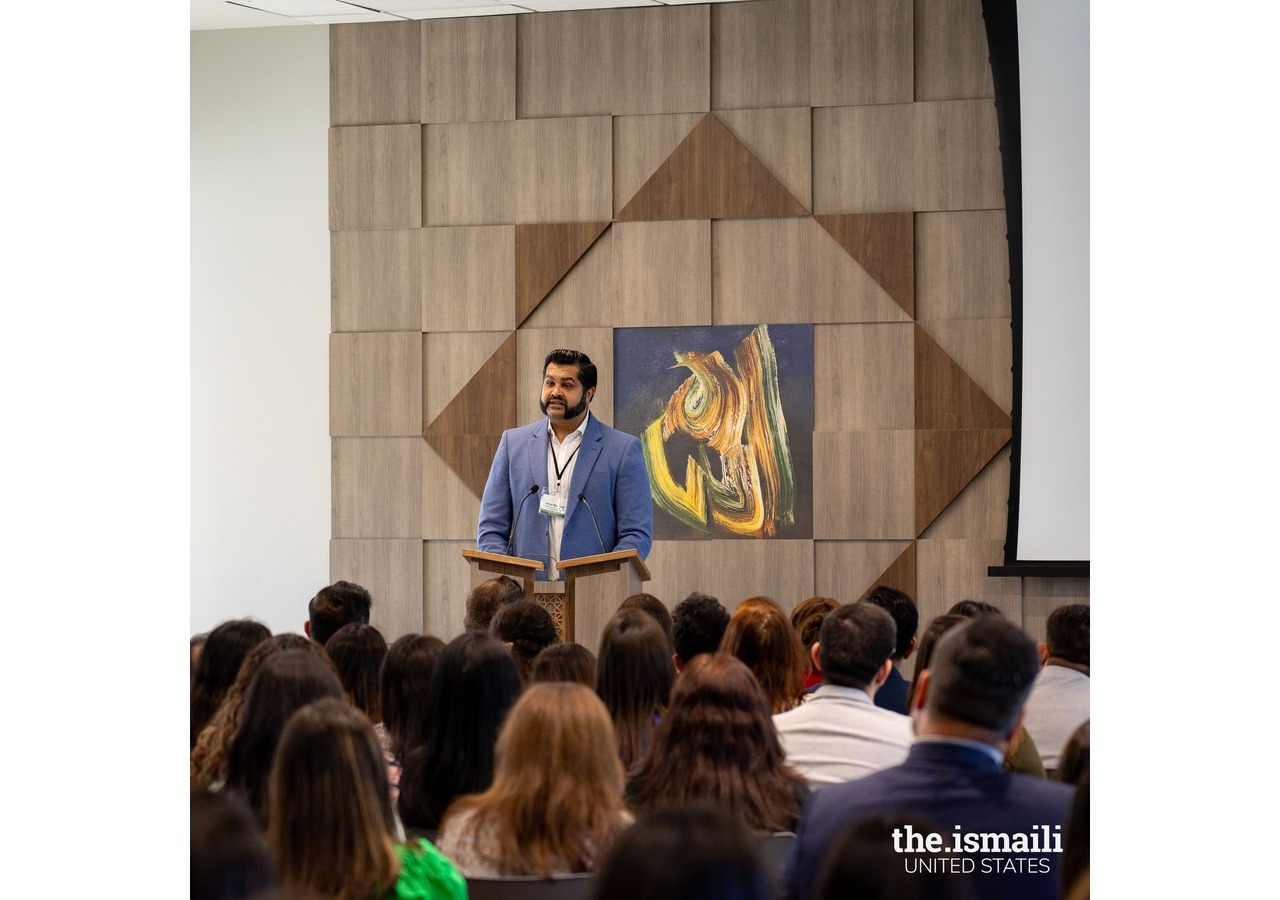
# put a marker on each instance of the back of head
(1074, 764)
(1067, 633)
(286, 682)
(972, 608)
(698, 625)
(937, 627)
(717, 743)
(404, 688)
(981, 673)
(654, 607)
(634, 674)
(209, 755)
(854, 643)
(358, 651)
(527, 628)
(760, 635)
(683, 853)
(899, 605)
(487, 598)
(864, 863)
(474, 685)
(566, 661)
(223, 653)
(336, 605)
(229, 855)
(806, 618)
(330, 819)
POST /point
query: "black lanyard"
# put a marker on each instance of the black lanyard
(555, 461)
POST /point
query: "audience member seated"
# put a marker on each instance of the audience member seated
(1075, 843)
(358, 651)
(1021, 755)
(967, 707)
(339, 842)
(864, 863)
(840, 734)
(220, 659)
(286, 682)
(487, 598)
(806, 619)
(341, 603)
(565, 661)
(1074, 763)
(634, 673)
(654, 607)
(229, 855)
(526, 629)
(973, 608)
(717, 744)
(209, 756)
(1059, 700)
(404, 686)
(556, 800)
(474, 685)
(694, 852)
(197, 644)
(698, 624)
(760, 635)
(898, 604)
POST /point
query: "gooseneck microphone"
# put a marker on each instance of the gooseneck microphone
(582, 498)
(511, 539)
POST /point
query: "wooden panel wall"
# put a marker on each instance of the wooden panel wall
(503, 185)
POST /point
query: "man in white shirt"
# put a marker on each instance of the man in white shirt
(1059, 699)
(840, 734)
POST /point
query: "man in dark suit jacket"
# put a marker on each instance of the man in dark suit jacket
(1001, 831)
(893, 693)
(552, 465)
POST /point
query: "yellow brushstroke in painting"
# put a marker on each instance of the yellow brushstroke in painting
(739, 418)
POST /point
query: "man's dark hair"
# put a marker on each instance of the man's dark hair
(906, 618)
(853, 643)
(528, 628)
(654, 607)
(697, 625)
(973, 608)
(341, 603)
(1067, 633)
(586, 368)
(981, 673)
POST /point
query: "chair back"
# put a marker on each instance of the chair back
(532, 887)
(772, 850)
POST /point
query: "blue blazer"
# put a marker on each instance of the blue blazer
(609, 470)
(947, 785)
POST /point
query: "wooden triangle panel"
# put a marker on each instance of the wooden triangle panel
(901, 574)
(884, 245)
(946, 461)
(711, 175)
(466, 432)
(946, 397)
(544, 254)
(468, 456)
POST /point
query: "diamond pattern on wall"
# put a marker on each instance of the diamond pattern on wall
(901, 574)
(544, 254)
(468, 429)
(710, 175)
(959, 429)
(884, 245)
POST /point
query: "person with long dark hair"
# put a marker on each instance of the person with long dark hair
(717, 744)
(634, 674)
(474, 685)
(286, 682)
(331, 825)
(215, 671)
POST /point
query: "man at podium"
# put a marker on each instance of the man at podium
(566, 486)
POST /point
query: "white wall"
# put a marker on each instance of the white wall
(260, 484)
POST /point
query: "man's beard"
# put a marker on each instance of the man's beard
(571, 412)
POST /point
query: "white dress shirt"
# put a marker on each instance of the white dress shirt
(1058, 703)
(562, 454)
(840, 735)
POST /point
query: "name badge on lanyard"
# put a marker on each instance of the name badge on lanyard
(553, 506)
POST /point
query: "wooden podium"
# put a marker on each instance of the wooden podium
(602, 582)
